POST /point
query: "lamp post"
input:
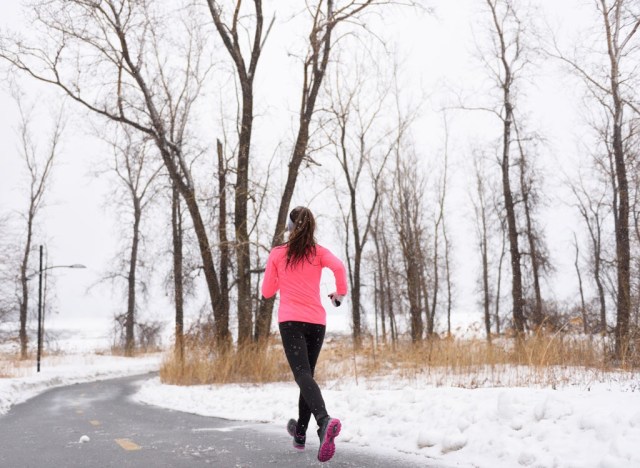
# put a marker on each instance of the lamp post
(40, 315)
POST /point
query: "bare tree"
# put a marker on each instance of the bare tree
(326, 16)
(148, 78)
(529, 192)
(136, 169)
(613, 84)
(479, 200)
(246, 72)
(362, 147)
(39, 165)
(505, 62)
(408, 208)
(386, 294)
(583, 307)
(592, 208)
(439, 226)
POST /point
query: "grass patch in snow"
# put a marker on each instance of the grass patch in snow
(545, 361)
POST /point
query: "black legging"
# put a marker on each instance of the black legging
(302, 343)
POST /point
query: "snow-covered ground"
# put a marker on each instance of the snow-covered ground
(58, 370)
(488, 417)
(590, 424)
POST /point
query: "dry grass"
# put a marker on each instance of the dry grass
(459, 356)
(202, 365)
(541, 360)
(12, 366)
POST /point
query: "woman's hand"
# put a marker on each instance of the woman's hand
(336, 299)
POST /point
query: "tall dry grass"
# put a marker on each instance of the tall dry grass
(539, 360)
(204, 365)
(546, 360)
(11, 365)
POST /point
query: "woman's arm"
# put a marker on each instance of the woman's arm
(270, 283)
(335, 264)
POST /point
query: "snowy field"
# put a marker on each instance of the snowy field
(590, 424)
(493, 417)
(66, 369)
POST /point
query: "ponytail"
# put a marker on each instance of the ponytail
(301, 245)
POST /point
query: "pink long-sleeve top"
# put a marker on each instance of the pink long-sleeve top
(300, 285)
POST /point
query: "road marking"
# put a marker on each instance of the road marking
(94, 422)
(127, 444)
(79, 411)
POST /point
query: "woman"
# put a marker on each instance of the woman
(295, 268)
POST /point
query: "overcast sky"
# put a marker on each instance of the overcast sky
(438, 55)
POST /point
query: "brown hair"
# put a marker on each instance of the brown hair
(301, 245)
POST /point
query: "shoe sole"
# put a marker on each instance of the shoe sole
(328, 447)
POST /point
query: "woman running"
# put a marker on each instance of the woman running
(295, 268)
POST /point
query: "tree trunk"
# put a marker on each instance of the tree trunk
(533, 251)
(499, 283)
(242, 246)
(178, 281)
(623, 250)
(220, 313)
(583, 308)
(129, 343)
(24, 302)
(413, 291)
(389, 291)
(447, 265)
(622, 243)
(436, 283)
(380, 286)
(516, 288)
(486, 299)
(357, 261)
(430, 318)
(222, 233)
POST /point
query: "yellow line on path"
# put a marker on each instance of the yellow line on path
(94, 422)
(127, 444)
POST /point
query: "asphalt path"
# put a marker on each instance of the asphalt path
(46, 431)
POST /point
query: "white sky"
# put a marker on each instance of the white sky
(439, 56)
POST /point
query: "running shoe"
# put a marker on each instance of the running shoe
(298, 439)
(328, 431)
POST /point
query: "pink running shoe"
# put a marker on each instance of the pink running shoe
(298, 439)
(327, 432)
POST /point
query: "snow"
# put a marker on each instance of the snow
(56, 371)
(589, 424)
(484, 417)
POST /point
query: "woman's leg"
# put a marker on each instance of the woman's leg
(302, 343)
(314, 337)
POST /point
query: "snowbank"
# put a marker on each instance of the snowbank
(590, 426)
(70, 369)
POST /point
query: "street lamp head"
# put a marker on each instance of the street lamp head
(77, 265)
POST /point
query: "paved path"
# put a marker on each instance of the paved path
(46, 430)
